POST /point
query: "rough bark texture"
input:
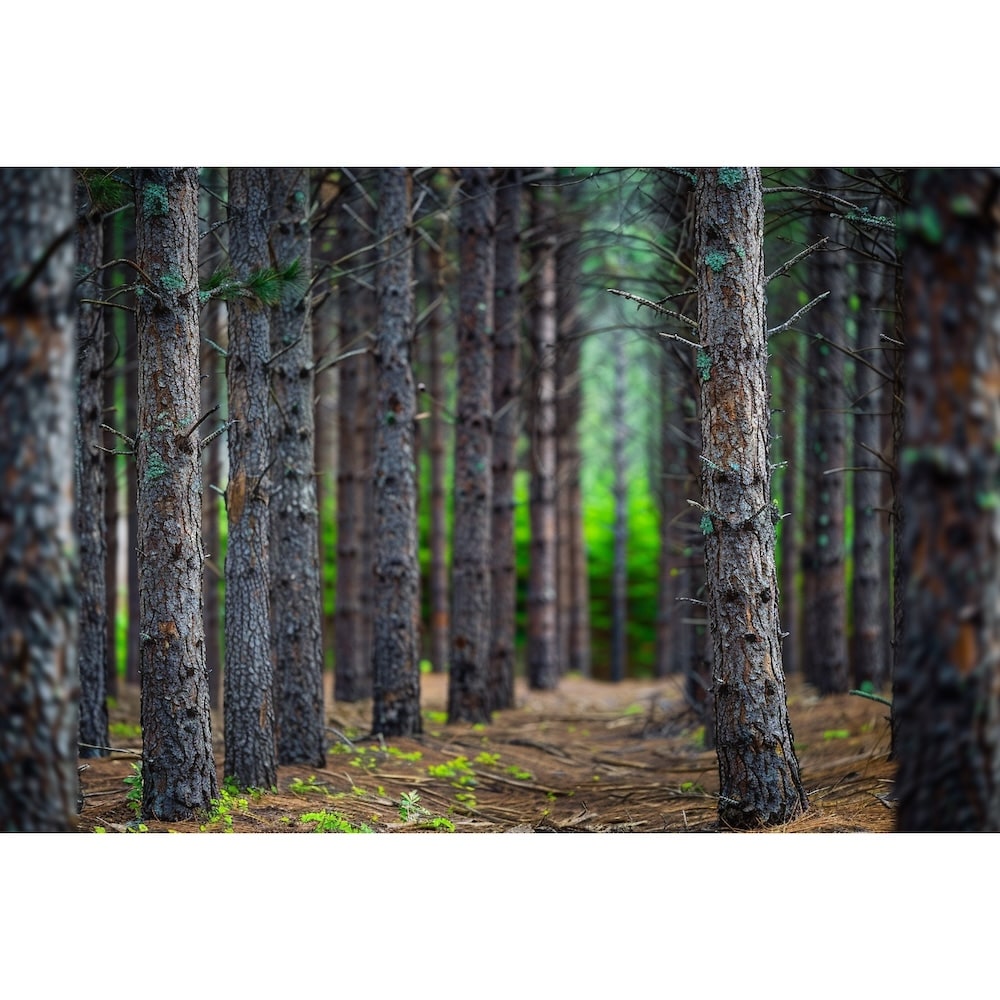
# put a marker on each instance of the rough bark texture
(542, 640)
(248, 703)
(506, 429)
(573, 579)
(758, 769)
(826, 664)
(93, 643)
(396, 636)
(791, 407)
(352, 621)
(870, 639)
(947, 686)
(468, 682)
(39, 687)
(178, 767)
(296, 588)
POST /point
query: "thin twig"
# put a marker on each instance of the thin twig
(792, 320)
(789, 264)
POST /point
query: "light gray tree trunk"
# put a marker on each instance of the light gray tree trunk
(758, 770)
(178, 766)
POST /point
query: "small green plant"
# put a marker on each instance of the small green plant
(437, 718)
(438, 823)
(836, 734)
(489, 759)
(517, 772)
(692, 787)
(333, 822)
(409, 807)
(133, 782)
(222, 809)
(402, 754)
(99, 829)
(457, 769)
(308, 787)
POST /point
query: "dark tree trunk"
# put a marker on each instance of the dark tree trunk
(946, 695)
(133, 542)
(437, 448)
(542, 653)
(396, 638)
(826, 615)
(93, 651)
(296, 587)
(870, 646)
(791, 407)
(111, 492)
(248, 703)
(758, 770)
(506, 428)
(469, 698)
(39, 682)
(353, 624)
(573, 580)
(178, 768)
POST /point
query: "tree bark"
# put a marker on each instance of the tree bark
(469, 697)
(248, 703)
(178, 767)
(295, 586)
(506, 428)
(39, 681)
(352, 621)
(93, 636)
(395, 641)
(758, 770)
(946, 695)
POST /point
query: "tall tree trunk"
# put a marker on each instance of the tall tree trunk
(396, 639)
(178, 767)
(619, 570)
(111, 492)
(353, 625)
(758, 770)
(946, 696)
(827, 665)
(469, 698)
(437, 448)
(791, 407)
(39, 682)
(542, 652)
(573, 580)
(870, 646)
(132, 652)
(506, 427)
(296, 588)
(93, 623)
(248, 704)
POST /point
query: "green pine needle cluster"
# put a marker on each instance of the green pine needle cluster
(267, 285)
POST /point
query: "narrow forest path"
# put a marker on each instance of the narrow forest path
(589, 757)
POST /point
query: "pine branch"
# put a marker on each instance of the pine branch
(789, 264)
(793, 319)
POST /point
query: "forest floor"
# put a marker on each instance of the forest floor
(589, 757)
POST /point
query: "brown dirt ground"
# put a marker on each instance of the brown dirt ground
(590, 757)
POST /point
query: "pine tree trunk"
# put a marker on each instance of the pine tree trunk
(178, 767)
(573, 580)
(248, 703)
(506, 427)
(396, 640)
(352, 621)
(870, 646)
(827, 664)
(295, 587)
(542, 652)
(469, 698)
(439, 587)
(758, 770)
(619, 570)
(39, 682)
(93, 634)
(946, 696)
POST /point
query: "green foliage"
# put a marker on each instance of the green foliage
(124, 730)
(308, 787)
(457, 771)
(133, 782)
(229, 800)
(489, 759)
(410, 808)
(105, 191)
(519, 773)
(333, 822)
(269, 284)
(836, 734)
